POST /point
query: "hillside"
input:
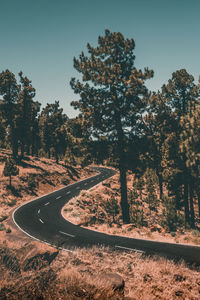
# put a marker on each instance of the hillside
(37, 176)
(92, 209)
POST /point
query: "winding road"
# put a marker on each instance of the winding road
(41, 219)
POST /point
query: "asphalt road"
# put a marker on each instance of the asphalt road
(42, 220)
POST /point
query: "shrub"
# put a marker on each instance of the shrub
(3, 218)
(136, 210)
(2, 227)
(151, 198)
(169, 219)
(12, 202)
(139, 185)
(8, 230)
(32, 183)
(65, 180)
(10, 169)
(112, 207)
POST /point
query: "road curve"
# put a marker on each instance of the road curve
(42, 220)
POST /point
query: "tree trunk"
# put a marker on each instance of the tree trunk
(160, 180)
(122, 169)
(124, 198)
(121, 154)
(198, 196)
(56, 156)
(22, 149)
(10, 180)
(178, 198)
(14, 143)
(186, 205)
(192, 214)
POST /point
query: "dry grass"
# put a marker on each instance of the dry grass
(76, 275)
(88, 209)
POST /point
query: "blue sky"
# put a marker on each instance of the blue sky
(41, 37)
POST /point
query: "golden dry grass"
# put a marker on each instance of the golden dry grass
(76, 275)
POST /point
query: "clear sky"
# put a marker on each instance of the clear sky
(41, 37)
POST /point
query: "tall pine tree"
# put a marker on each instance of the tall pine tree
(112, 99)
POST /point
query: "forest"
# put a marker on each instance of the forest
(120, 123)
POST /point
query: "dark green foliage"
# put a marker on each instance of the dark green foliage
(151, 198)
(12, 202)
(2, 227)
(32, 182)
(138, 184)
(112, 100)
(8, 230)
(170, 218)
(9, 89)
(26, 114)
(136, 209)
(112, 207)
(53, 130)
(10, 168)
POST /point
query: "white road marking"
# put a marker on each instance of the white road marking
(41, 221)
(71, 235)
(58, 197)
(78, 188)
(68, 193)
(38, 211)
(132, 249)
(47, 203)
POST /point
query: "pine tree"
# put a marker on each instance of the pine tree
(139, 185)
(158, 123)
(53, 132)
(9, 89)
(112, 99)
(10, 169)
(25, 106)
(112, 207)
(151, 198)
(181, 95)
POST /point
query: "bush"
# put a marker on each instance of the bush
(12, 202)
(65, 180)
(169, 220)
(151, 198)
(32, 183)
(2, 227)
(112, 207)
(8, 230)
(136, 210)
(3, 218)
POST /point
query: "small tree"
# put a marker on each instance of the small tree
(112, 207)
(10, 169)
(136, 210)
(151, 198)
(32, 183)
(169, 219)
(139, 185)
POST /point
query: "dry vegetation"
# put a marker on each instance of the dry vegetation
(89, 210)
(35, 271)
